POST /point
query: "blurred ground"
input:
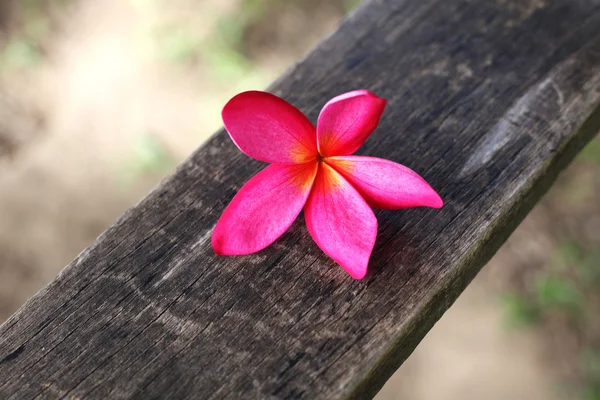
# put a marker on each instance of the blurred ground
(101, 99)
(470, 355)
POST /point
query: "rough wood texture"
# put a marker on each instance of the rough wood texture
(488, 100)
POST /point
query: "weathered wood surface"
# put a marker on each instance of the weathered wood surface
(488, 100)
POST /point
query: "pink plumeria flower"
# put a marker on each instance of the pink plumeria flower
(314, 169)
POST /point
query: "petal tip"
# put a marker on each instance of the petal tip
(382, 102)
(358, 275)
(357, 270)
(220, 245)
(230, 108)
(216, 242)
(436, 201)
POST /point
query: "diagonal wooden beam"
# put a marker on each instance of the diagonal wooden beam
(488, 100)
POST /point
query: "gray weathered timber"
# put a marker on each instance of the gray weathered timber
(488, 100)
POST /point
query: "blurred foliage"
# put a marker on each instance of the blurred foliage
(150, 157)
(231, 28)
(564, 287)
(350, 5)
(589, 268)
(519, 310)
(25, 37)
(176, 43)
(591, 153)
(590, 365)
(568, 253)
(586, 264)
(224, 50)
(547, 293)
(226, 64)
(20, 53)
(146, 3)
(179, 42)
(560, 285)
(554, 291)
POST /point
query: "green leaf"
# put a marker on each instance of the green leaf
(555, 291)
(518, 310)
(590, 153)
(20, 54)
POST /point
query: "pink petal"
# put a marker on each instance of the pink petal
(385, 184)
(341, 222)
(269, 129)
(263, 209)
(346, 122)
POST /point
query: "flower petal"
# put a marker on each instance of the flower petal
(341, 222)
(263, 209)
(386, 184)
(269, 129)
(346, 122)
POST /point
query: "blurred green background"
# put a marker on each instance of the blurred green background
(100, 99)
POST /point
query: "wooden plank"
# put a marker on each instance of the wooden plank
(488, 100)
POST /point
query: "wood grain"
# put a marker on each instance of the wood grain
(488, 100)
